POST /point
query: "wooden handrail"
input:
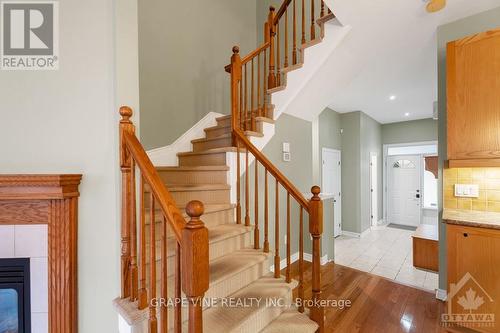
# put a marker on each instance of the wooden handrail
(282, 10)
(269, 166)
(150, 174)
(253, 54)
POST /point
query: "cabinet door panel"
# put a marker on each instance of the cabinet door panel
(473, 97)
(475, 251)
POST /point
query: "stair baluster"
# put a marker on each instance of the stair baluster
(134, 279)
(143, 294)
(322, 13)
(266, 213)
(286, 39)
(163, 279)
(277, 258)
(238, 183)
(256, 240)
(178, 289)
(313, 23)
(301, 258)
(271, 33)
(153, 323)
(288, 241)
(247, 191)
(294, 47)
(303, 22)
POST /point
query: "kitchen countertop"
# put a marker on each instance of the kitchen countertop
(472, 218)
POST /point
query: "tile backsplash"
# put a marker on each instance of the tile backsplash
(488, 180)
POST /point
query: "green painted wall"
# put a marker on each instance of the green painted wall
(181, 67)
(446, 33)
(371, 142)
(410, 131)
(351, 170)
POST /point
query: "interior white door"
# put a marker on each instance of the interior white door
(331, 184)
(374, 188)
(403, 189)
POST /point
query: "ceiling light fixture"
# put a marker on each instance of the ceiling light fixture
(407, 114)
(435, 5)
(392, 97)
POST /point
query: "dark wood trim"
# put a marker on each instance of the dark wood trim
(51, 200)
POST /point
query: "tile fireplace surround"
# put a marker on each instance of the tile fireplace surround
(38, 220)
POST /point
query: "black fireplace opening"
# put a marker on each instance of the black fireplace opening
(15, 308)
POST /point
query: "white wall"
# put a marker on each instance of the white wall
(65, 121)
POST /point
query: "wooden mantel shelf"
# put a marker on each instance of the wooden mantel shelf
(15, 187)
(51, 200)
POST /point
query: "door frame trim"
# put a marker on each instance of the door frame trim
(373, 220)
(385, 149)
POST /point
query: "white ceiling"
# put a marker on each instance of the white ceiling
(399, 39)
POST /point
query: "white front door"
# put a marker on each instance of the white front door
(331, 184)
(403, 189)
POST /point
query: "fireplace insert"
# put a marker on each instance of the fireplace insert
(15, 309)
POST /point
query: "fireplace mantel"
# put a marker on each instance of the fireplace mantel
(51, 200)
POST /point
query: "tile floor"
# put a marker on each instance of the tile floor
(386, 252)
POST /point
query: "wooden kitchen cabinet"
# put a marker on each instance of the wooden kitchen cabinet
(474, 251)
(473, 100)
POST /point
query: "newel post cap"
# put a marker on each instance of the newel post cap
(315, 190)
(236, 49)
(126, 112)
(195, 210)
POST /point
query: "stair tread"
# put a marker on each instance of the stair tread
(291, 321)
(194, 168)
(227, 319)
(235, 262)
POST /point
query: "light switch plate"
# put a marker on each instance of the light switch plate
(467, 190)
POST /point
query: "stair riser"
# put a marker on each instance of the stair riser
(205, 145)
(171, 177)
(216, 250)
(211, 219)
(215, 132)
(258, 320)
(259, 125)
(203, 159)
(207, 197)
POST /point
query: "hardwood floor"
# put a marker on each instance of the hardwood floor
(378, 304)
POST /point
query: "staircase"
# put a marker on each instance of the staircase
(219, 249)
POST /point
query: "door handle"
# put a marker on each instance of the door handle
(417, 196)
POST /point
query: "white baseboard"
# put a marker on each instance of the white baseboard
(441, 294)
(167, 156)
(295, 257)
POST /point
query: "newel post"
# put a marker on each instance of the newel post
(128, 206)
(194, 256)
(316, 230)
(271, 82)
(235, 98)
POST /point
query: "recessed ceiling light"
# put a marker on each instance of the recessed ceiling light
(392, 97)
(407, 114)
